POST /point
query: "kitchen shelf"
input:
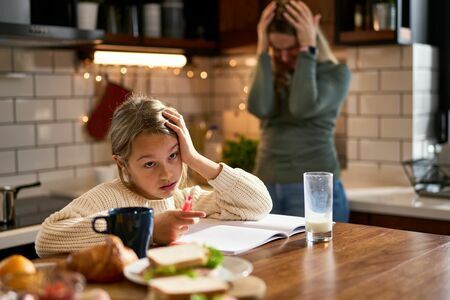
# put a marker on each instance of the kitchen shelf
(124, 42)
(121, 39)
(367, 36)
(187, 44)
(411, 23)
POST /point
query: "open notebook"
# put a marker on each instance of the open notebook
(234, 237)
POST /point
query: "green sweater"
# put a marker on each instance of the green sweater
(298, 137)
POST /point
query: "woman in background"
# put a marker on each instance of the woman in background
(297, 94)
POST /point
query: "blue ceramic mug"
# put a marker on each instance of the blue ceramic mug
(133, 225)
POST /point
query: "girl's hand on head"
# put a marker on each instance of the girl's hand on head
(305, 23)
(172, 224)
(194, 160)
(177, 124)
(264, 21)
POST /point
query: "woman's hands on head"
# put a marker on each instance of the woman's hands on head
(172, 224)
(264, 21)
(306, 24)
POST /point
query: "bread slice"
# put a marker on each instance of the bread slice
(181, 256)
(182, 287)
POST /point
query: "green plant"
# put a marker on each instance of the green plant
(241, 153)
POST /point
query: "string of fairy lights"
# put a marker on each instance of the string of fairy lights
(99, 74)
(124, 70)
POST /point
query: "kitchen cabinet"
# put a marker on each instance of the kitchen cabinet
(210, 26)
(401, 222)
(115, 18)
(326, 9)
(237, 22)
(362, 22)
(224, 24)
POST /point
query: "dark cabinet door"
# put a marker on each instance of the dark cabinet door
(237, 22)
(326, 8)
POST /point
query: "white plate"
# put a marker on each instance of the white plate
(231, 268)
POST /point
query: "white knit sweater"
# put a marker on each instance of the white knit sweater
(236, 195)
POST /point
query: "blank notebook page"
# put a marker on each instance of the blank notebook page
(231, 239)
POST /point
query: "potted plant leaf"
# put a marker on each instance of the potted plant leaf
(240, 153)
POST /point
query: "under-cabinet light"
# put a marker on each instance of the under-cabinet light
(139, 59)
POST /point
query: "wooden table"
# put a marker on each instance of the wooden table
(362, 262)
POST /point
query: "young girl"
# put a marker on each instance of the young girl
(152, 148)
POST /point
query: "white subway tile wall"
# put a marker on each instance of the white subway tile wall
(83, 86)
(72, 109)
(36, 159)
(12, 136)
(16, 85)
(7, 162)
(54, 133)
(364, 81)
(34, 110)
(33, 61)
(44, 94)
(74, 155)
(102, 152)
(380, 104)
(352, 149)
(64, 61)
(379, 57)
(400, 128)
(389, 115)
(53, 85)
(396, 80)
(6, 59)
(386, 118)
(407, 104)
(6, 110)
(351, 106)
(377, 150)
(363, 127)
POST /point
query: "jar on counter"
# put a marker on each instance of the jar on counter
(173, 18)
(152, 19)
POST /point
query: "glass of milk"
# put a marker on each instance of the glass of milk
(318, 187)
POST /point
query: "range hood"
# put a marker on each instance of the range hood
(25, 35)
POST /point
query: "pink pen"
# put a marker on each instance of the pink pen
(187, 204)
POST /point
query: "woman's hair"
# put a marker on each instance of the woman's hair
(138, 115)
(280, 25)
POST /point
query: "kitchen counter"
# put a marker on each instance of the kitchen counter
(399, 201)
(390, 193)
(30, 213)
(366, 197)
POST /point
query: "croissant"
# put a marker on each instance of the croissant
(102, 263)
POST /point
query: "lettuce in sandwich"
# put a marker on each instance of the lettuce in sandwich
(184, 259)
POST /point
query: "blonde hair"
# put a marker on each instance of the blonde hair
(280, 25)
(324, 52)
(138, 115)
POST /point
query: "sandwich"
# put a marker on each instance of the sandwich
(183, 287)
(185, 259)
